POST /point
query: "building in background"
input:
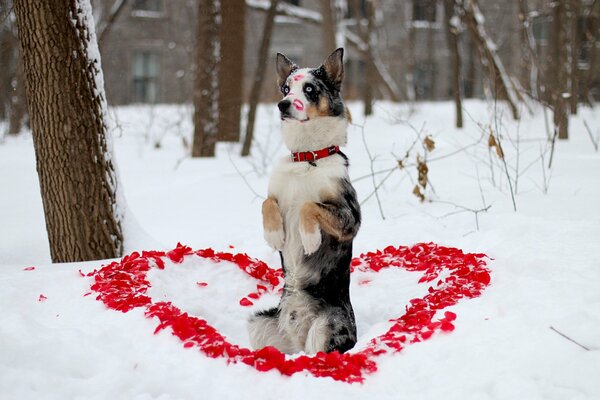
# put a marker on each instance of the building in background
(148, 53)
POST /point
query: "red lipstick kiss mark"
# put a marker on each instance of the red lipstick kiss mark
(298, 104)
(298, 77)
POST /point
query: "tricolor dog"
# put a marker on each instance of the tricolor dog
(311, 216)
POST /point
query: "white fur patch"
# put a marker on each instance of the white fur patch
(264, 331)
(275, 239)
(314, 134)
(310, 241)
(317, 337)
(294, 184)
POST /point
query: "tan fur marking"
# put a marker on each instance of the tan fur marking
(323, 109)
(308, 217)
(347, 114)
(312, 215)
(272, 220)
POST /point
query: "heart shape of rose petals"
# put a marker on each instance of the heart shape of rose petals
(123, 285)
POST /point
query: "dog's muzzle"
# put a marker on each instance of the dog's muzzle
(284, 107)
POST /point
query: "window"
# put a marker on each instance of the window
(423, 81)
(362, 9)
(585, 27)
(540, 30)
(148, 8)
(424, 10)
(148, 5)
(146, 70)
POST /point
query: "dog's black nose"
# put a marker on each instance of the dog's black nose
(284, 105)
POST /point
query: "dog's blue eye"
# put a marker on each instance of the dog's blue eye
(286, 90)
(309, 89)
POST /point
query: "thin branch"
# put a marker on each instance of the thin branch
(380, 184)
(104, 26)
(569, 339)
(589, 131)
(243, 176)
(512, 193)
(371, 159)
(259, 75)
(464, 209)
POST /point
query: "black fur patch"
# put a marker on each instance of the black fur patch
(328, 89)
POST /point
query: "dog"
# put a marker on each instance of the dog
(311, 216)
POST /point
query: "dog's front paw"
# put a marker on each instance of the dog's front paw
(310, 241)
(275, 239)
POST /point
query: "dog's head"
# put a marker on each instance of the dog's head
(312, 112)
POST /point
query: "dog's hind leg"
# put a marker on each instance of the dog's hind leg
(263, 328)
(318, 335)
(331, 331)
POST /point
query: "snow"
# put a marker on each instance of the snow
(83, 22)
(287, 10)
(545, 266)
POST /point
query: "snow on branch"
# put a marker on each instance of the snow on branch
(287, 10)
(498, 75)
(105, 25)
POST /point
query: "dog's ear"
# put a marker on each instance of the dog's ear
(284, 68)
(334, 67)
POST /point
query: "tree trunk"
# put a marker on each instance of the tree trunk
(525, 61)
(452, 38)
(366, 38)
(591, 34)
(6, 55)
(431, 32)
(259, 75)
(574, 53)
(328, 26)
(470, 73)
(559, 60)
(67, 110)
(369, 82)
(17, 108)
(206, 109)
(231, 68)
(13, 102)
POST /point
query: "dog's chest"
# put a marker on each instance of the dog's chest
(294, 184)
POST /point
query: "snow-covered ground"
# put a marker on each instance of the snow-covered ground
(545, 268)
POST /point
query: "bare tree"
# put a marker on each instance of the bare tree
(231, 68)
(532, 72)
(329, 26)
(573, 53)
(589, 45)
(206, 109)
(104, 26)
(68, 108)
(499, 78)
(560, 68)
(364, 17)
(13, 101)
(259, 75)
(452, 31)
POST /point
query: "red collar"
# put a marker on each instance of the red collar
(315, 155)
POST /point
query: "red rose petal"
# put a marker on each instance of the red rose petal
(245, 302)
(123, 285)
